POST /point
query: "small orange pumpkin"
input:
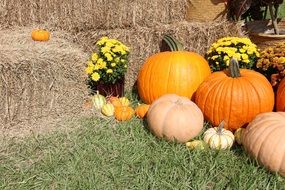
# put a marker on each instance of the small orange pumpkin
(115, 101)
(280, 96)
(141, 110)
(123, 113)
(40, 35)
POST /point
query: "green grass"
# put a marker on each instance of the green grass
(104, 154)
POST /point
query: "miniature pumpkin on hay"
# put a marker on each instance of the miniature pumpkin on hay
(176, 71)
(175, 118)
(235, 96)
(40, 35)
(264, 140)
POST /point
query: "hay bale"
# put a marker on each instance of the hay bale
(39, 79)
(81, 15)
(144, 42)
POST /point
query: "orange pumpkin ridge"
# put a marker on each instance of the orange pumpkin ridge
(280, 96)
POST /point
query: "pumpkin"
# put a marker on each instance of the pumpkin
(219, 138)
(123, 113)
(124, 101)
(98, 100)
(264, 140)
(115, 101)
(196, 144)
(280, 96)
(40, 35)
(171, 72)
(141, 110)
(174, 118)
(235, 96)
(238, 135)
(108, 109)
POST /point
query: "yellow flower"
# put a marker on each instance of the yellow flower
(95, 76)
(89, 70)
(94, 57)
(244, 56)
(96, 67)
(102, 41)
(89, 64)
(228, 62)
(103, 65)
(125, 66)
(214, 57)
(109, 71)
(113, 64)
(237, 56)
(108, 56)
(242, 50)
(105, 49)
(226, 58)
(281, 60)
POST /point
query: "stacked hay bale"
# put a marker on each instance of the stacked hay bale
(39, 79)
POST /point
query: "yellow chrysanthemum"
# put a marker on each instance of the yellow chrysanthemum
(95, 76)
(94, 57)
(244, 56)
(102, 41)
(109, 71)
(89, 70)
(108, 56)
(105, 49)
(113, 64)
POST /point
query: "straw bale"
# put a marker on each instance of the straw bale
(81, 15)
(39, 79)
(144, 41)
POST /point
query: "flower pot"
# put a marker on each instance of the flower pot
(262, 33)
(109, 89)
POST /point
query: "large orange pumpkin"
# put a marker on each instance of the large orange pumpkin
(175, 118)
(264, 140)
(235, 96)
(179, 72)
(280, 96)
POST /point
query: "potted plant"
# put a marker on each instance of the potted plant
(106, 68)
(262, 31)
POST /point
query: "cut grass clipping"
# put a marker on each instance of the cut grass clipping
(105, 154)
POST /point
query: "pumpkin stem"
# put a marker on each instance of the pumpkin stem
(171, 43)
(220, 127)
(234, 68)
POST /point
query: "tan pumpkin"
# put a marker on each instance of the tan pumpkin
(264, 140)
(141, 110)
(196, 145)
(175, 118)
(123, 113)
